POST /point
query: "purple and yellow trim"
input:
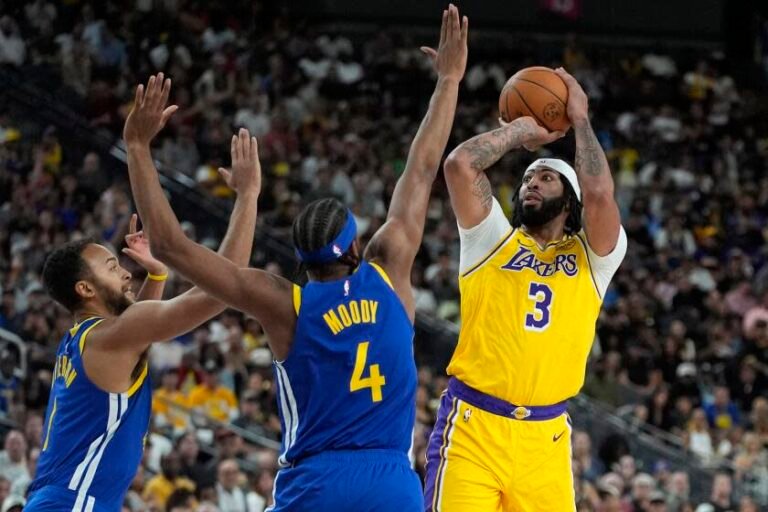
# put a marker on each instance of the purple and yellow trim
(438, 448)
(500, 407)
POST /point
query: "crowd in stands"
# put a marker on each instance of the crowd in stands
(682, 341)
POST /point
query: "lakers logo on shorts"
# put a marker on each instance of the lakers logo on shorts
(520, 413)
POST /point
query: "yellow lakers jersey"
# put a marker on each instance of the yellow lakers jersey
(528, 319)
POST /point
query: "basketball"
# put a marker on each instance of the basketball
(537, 92)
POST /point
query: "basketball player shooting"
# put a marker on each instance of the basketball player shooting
(531, 292)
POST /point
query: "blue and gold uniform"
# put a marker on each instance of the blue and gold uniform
(347, 399)
(93, 440)
(502, 437)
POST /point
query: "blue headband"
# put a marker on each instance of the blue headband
(335, 248)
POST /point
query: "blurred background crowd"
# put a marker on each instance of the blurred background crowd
(682, 343)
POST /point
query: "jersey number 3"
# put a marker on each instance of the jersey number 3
(375, 380)
(539, 319)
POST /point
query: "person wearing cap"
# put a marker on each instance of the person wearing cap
(657, 502)
(531, 292)
(343, 343)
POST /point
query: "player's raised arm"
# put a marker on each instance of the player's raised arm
(395, 245)
(602, 222)
(161, 320)
(468, 185)
(258, 293)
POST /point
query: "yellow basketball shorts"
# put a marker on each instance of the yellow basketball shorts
(487, 455)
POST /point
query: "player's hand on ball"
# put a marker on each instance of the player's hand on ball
(578, 102)
(246, 169)
(450, 58)
(532, 134)
(138, 250)
(149, 112)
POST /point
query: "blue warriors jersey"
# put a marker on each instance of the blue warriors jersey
(349, 382)
(92, 440)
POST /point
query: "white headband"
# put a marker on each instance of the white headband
(560, 166)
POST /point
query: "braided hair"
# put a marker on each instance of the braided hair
(316, 226)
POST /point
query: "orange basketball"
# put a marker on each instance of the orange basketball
(537, 92)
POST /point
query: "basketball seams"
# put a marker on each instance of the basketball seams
(550, 91)
(533, 114)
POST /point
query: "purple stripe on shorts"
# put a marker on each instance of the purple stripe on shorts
(438, 443)
(503, 408)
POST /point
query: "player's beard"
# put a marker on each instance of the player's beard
(115, 301)
(533, 216)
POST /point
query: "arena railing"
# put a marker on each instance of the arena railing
(201, 419)
(19, 346)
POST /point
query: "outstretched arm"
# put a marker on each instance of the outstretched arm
(602, 221)
(396, 243)
(162, 320)
(468, 185)
(262, 295)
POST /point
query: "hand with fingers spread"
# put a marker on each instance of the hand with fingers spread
(149, 112)
(578, 102)
(138, 250)
(245, 175)
(450, 58)
(532, 132)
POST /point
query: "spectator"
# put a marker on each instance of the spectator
(722, 413)
(230, 496)
(160, 487)
(643, 487)
(21, 484)
(33, 430)
(181, 500)
(13, 461)
(698, 436)
(10, 318)
(5, 488)
(211, 398)
(169, 404)
(13, 50)
(591, 467)
(657, 502)
(251, 417)
(721, 499)
(13, 503)
(10, 384)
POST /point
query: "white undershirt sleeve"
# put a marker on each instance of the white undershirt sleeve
(478, 241)
(603, 267)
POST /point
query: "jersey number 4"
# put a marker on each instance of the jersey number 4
(375, 380)
(542, 296)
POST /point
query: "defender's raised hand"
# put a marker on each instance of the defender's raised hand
(149, 112)
(138, 250)
(245, 175)
(450, 58)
